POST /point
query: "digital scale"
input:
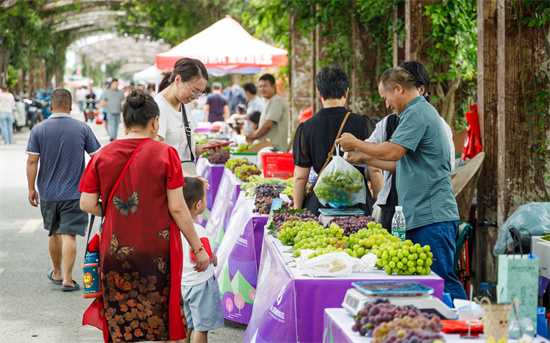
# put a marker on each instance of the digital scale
(399, 293)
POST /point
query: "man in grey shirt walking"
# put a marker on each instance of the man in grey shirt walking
(112, 100)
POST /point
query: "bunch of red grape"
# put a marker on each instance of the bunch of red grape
(420, 329)
(380, 318)
(219, 157)
(352, 224)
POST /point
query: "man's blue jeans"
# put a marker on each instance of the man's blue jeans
(441, 237)
(112, 124)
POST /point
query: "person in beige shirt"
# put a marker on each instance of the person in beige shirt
(7, 102)
(274, 120)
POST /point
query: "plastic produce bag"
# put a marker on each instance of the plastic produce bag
(533, 219)
(340, 184)
(335, 264)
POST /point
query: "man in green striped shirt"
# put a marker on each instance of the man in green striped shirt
(423, 174)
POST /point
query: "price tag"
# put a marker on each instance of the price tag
(276, 204)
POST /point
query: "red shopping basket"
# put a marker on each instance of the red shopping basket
(278, 165)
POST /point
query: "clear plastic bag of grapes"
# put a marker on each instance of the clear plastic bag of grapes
(340, 184)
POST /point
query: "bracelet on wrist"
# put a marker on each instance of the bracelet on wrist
(198, 250)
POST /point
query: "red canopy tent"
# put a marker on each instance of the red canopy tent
(225, 45)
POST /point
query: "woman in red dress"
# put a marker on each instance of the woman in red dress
(140, 250)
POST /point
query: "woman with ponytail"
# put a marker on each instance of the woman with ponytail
(140, 183)
(177, 90)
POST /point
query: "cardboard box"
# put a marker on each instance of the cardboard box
(259, 146)
(541, 249)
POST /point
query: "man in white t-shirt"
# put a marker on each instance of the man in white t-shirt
(200, 291)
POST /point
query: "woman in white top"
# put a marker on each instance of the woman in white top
(176, 92)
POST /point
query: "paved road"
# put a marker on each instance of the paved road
(32, 308)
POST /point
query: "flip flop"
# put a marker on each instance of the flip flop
(71, 288)
(57, 282)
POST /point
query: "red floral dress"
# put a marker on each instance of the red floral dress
(140, 263)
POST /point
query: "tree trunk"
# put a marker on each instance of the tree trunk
(302, 77)
(446, 108)
(366, 60)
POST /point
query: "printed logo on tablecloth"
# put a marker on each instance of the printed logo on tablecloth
(274, 312)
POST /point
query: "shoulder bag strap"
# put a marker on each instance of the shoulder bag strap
(104, 211)
(187, 129)
(329, 156)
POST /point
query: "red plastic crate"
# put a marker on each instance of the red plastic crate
(278, 165)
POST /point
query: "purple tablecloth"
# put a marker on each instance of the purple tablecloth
(226, 197)
(239, 260)
(338, 323)
(213, 173)
(289, 305)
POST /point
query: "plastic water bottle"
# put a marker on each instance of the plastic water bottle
(312, 176)
(92, 284)
(483, 292)
(398, 228)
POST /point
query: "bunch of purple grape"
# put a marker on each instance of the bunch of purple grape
(219, 157)
(352, 224)
(381, 311)
(238, 164)
(280, 218)
(419, 329)
(266, 191)
(263, 205)
(264, 198)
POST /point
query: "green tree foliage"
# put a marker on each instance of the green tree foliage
(28, 38)
(452, 51)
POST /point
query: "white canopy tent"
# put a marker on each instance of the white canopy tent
(149, 75)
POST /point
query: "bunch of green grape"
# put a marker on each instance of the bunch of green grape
(403, 258)
(546, 237)
(345, 181)
(332, 195)
(294, 228)
(288, 190)
(230, 163)
(243, 147)
(373, 236)
(322, 240)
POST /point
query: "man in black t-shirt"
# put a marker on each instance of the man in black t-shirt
(314, 137)
(216, 106)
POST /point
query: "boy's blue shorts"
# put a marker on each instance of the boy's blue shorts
(203, 306)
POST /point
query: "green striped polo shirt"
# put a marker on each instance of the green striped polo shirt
(423, 174)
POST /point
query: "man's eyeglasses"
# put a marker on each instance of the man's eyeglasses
(194, 94)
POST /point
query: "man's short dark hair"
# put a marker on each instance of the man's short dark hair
(114, 80)
(254, 117)
(61, 99)
(193, 190)
(397, 75)
(269, 78)
(332, 82)
(250, 88)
